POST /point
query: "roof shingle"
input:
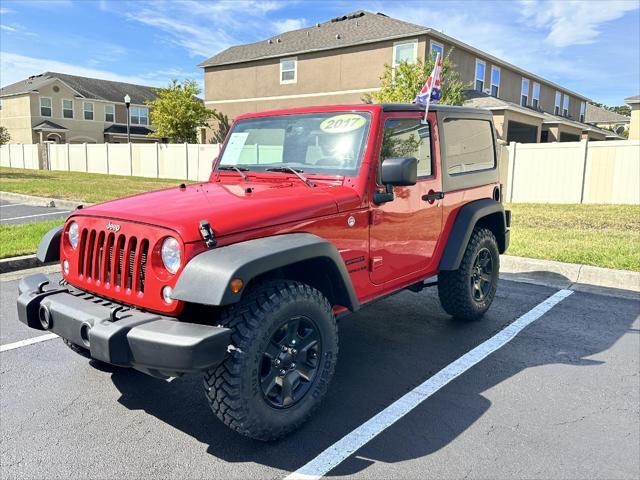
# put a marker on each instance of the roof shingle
(351, 29)
(91, 88)
(594, 114)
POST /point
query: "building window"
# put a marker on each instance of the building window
(480, 68)
(139, 115)
(524, 94)
(556, 109)
(583, 107)
(436, 48)
(288, 70)
(405, 52)
(67, 108)
(0, 104)
(495, 81)
(45, 107)
(565, 106)
(109, 113)
(535, 101)
(87, 108)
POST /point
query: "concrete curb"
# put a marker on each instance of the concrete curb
(42, 201)
(586, 278)
(19, 263)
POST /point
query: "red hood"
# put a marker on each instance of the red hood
(229, 208)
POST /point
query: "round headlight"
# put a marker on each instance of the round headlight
(171, 255)
(73, 234)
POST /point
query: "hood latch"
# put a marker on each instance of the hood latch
(207, 234)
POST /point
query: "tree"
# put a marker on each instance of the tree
(4, 135)
(222, 128)
(621, 109)
(400, 85)
(177, 113)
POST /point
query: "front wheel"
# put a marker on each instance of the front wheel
(468, 292)
(285, 346)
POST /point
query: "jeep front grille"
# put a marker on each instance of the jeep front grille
(125, 269)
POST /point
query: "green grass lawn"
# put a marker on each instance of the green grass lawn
(84, 187)
(23, 239)
(600, 235)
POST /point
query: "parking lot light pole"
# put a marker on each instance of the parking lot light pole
(127, 102)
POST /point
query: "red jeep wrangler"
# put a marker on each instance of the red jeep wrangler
(308, 214)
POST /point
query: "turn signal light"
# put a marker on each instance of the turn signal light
(236, 285)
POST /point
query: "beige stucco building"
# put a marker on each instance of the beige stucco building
(634, 128)
(60, 108)
(341, 60)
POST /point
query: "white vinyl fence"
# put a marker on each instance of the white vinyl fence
(574, 172)
(571, 172)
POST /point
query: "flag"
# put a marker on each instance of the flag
(431, 90)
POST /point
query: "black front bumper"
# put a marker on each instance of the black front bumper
(154, 344)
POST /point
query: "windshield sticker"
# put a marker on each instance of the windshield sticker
(347, 122)
(234, 148)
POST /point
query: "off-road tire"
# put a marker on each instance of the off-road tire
(77, 348)
(234, 390)
(455, 286)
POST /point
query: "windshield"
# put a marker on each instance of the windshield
(324, 143)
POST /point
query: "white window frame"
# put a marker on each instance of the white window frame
(50, 107)
(557, 109)
(565, 109)
(138, 108)
(84, 111)
(583, 110)
(413, 42)
(493, 67)
(295, 70)
(484, 74)
(431, 44)
(535, 101)
(105, 112)
(73, 113)
(521, 90)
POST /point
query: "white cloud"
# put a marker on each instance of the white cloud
(15, 67)
(5, 11)
(8, 28)
(289, 24)
(206, 28)
(573, 22)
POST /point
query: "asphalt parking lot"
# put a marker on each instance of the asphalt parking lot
(12, 213)
(561, 400)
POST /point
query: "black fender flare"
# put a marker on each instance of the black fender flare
(49, 247)
(463, 226)
(206, 277)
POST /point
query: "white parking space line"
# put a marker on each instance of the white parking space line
(349, 444)
(13, 205)
(28, 341)
(37, 215)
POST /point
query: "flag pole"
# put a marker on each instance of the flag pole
(433, 81)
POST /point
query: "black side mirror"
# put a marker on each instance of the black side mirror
(396, 172)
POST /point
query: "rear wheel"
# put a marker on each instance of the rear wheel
(285, 348)
(468, 292)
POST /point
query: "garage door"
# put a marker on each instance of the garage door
(521, 133)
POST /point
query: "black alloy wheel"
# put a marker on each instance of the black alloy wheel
(290, 362)
(481, 275)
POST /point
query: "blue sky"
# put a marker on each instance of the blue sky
(591, 47)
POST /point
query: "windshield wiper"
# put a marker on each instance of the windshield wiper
(297, 173)
(234, 168)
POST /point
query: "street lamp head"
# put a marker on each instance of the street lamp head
(127, 99)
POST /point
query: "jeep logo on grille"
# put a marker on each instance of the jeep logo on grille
(114, 227)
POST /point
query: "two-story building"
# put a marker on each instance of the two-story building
(61, 108)
(341, 60)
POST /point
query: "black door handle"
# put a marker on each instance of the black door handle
(433, 196)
